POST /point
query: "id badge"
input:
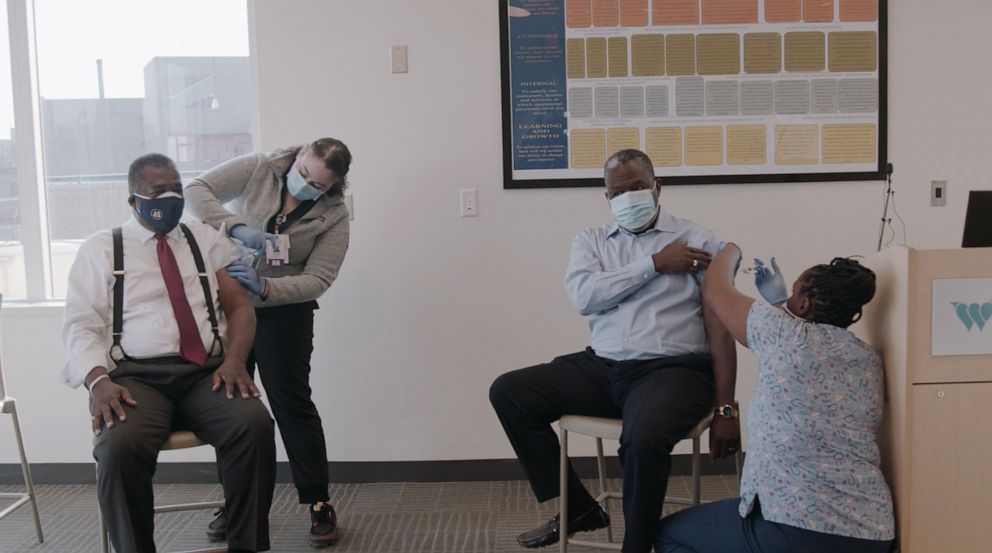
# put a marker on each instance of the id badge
(278, 254)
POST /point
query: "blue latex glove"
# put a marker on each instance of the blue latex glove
(251, 238)
(770, 282)
(247, 277)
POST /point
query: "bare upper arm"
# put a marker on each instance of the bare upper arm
(232, 294)
(730, 307)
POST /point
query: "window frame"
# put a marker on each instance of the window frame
(29, 156)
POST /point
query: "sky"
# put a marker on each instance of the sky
(126, 34)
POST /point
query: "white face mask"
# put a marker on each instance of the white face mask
(633, 210)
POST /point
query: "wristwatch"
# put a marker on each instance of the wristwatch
(726, 411)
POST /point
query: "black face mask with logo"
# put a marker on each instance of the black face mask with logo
(161, 213)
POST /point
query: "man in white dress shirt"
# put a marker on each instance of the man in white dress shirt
(172, 357)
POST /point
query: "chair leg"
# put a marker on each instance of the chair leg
(601, 467)
(104, 538)
(563, 494)
(695, 471)
(26, 471)
(738, 463)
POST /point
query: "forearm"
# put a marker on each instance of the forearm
(240, 332)
(203, 203)
(207, 193)
(97, 372)
(720, 279)
(595, 291)
(292, 289)
(723, 351)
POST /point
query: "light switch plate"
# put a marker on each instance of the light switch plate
(469, 202)
(397, 55)
(938, 193)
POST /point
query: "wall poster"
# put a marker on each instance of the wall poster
(714, 91)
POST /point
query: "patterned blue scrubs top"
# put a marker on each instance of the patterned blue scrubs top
(813, 456)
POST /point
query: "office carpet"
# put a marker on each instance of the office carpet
(455, 517)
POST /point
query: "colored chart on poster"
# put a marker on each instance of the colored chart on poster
(713, 90)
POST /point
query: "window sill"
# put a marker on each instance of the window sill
(33, 308)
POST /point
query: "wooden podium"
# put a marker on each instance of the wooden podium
(936, 437)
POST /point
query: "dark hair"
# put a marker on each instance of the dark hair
(336, 158)
(838, 291)
(624, 156)
(134, 173)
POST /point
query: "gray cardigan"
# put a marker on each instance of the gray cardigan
(251, 186)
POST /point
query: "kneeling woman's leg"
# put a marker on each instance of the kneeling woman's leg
(714, 527)
(719, 528)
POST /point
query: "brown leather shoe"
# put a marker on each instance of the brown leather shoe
(593, 519)
(323, 525)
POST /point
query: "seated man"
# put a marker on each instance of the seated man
(652, 360)
(143, 333)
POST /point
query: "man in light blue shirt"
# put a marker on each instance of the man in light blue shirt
(656, 359)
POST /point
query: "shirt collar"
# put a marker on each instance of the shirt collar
(144, 235)
(664, 223)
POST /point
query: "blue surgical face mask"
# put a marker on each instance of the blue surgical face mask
(299, 187)
(633, 210)
(161, 213)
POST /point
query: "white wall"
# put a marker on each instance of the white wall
(431, 307)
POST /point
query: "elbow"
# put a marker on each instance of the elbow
(582, 303)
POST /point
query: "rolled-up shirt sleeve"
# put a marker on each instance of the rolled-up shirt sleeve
(709, 242)
(592, 288)
(88, 305)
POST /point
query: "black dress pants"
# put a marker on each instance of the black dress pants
(283, 345)
(659, 400)
(178, 396)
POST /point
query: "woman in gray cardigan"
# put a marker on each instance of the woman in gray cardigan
(298, 193)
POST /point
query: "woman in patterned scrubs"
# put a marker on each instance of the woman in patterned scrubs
(811, 481)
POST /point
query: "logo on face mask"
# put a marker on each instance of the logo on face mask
(161, 213)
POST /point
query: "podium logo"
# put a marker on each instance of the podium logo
(973, 314)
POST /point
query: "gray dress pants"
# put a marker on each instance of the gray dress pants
(175, 395)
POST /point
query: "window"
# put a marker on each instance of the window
(117, 79)
(12, 274)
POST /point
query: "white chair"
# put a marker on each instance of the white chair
(7, 406)
(610, 429)
(177, 440)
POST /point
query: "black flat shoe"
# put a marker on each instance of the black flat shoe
(217, 529)
(593, 519)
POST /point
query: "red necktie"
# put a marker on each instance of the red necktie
(190, 344)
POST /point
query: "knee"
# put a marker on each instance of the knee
(117, 449)
(647, 441)
(502, 390)
(254, 425)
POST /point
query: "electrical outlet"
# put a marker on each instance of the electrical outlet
(938, 193)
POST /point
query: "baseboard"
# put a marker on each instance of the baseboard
(354, 472)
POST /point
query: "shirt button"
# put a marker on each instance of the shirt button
(625, 340)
